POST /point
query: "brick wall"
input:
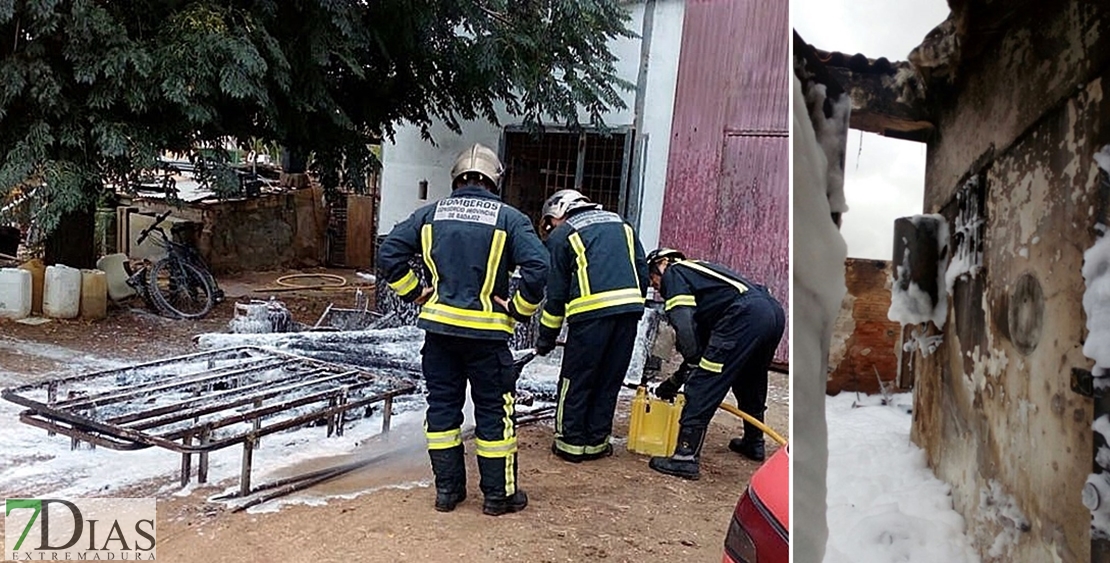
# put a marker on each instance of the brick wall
(864, 340)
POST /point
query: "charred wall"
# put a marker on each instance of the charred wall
(993, 407)
(864, 340)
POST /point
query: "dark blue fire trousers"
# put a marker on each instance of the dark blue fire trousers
(450, 362)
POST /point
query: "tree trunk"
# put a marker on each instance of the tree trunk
(73, 242)
(294, 161)
(294, 164)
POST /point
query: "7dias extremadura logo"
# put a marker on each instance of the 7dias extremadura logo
(88, 529)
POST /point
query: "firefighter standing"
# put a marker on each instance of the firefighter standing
(727, 330)
(598, 280)
(470, 242)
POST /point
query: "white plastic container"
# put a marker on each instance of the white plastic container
(112, 265)
(15, 293)
(61, 292)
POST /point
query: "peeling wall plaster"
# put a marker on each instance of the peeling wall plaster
(993, 407)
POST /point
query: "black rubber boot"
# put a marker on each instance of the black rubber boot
(499, 506)
(751, 445)
(684, 463)
(751, 449)
(450, 470)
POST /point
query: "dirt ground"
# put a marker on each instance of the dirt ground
(614, 509)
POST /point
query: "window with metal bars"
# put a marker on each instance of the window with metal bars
(593, 162)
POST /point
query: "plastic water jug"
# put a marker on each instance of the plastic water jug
(113, 266)
(94, 294)
(38, 276)
(653, 428)
(15, 293)
(61, 292)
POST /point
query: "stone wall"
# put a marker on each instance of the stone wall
(864, 340)
(270, 232)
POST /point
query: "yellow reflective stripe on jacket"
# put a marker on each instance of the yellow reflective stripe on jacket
(680, 301)
(709, 366)
(444, 440)
(523, 306)
(426, 251)
(631, 238)
(551, 321)
(699, 268)
(466, 318)
(406, 284)
(580, 250)
(495, 448)
(496, 247)
(604, 299)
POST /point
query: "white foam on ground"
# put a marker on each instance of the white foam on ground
(884, 503)
(32, 461)
(46, 465)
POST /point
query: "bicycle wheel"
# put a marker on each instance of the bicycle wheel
(180, 289)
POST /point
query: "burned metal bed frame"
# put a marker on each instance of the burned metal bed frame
(203, 402)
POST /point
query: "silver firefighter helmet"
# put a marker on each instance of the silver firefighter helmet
(478, 159)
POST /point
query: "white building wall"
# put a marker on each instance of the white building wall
(410, 159)
(666, 42)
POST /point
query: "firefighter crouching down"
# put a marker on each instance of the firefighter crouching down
(727, 330)
(597, 281)
(470, 242)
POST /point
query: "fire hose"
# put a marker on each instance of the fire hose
(749, 418)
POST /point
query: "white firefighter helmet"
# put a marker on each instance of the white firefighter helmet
(478, 159)
(660, 254)
(562, 202)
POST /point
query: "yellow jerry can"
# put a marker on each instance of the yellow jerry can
(653, 429)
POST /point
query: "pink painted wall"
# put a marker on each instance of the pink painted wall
(728, 191)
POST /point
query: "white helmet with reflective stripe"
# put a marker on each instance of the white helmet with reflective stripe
(478, 159)
(562, 202)
(655, 257)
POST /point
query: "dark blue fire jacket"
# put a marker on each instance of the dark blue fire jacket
(597, 269)
(697, 295)
(470, 243)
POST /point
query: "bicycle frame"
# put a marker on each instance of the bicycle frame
(181, 259)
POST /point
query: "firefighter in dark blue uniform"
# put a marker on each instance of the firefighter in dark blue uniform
(727, 329)
(470, 242)
(597, 282)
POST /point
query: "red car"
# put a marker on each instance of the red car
(759, 532)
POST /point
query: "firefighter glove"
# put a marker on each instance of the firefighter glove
(545, 341)
(668, 389)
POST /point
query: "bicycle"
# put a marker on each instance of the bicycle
(179, 284)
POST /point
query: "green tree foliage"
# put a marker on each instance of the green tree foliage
(91, 91)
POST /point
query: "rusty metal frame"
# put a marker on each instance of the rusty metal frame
(329, 390)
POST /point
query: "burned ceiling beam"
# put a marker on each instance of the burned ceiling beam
(887, 97)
